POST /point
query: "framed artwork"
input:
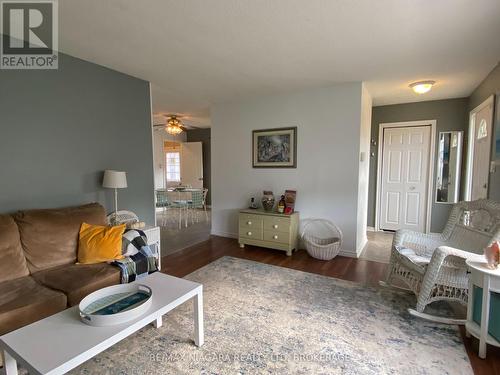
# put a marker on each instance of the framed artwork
(497, 128)
(275, 148)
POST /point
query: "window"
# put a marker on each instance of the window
(173, 167)
(483, 130)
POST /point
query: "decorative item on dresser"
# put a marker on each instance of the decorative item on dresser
(268, 200)
(269, 229)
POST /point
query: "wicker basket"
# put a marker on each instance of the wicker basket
(322, 239)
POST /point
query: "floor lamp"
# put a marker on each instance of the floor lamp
(115, 180)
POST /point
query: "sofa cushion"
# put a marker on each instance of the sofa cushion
(79, 280)
(99, 243)
(50, 237)
(24, 301)
(12, 261)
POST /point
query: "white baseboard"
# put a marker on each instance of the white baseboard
(343, 252)
(370, 229)
(223, 234)
(348, 253)
(362, 247)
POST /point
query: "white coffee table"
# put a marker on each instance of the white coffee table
(61, 342)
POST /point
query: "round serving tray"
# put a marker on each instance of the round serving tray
(115, 304)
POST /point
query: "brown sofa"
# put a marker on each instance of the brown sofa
(38, 271)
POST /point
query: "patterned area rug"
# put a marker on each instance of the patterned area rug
(262, 319)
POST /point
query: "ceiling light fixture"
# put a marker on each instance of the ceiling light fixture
(422, 87)
(174, 126)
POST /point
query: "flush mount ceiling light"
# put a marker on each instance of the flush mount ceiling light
(422, 87)
(174, 126)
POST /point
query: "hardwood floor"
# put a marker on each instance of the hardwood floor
(362, 271)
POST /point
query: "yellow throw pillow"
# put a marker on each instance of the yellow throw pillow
(99, 244)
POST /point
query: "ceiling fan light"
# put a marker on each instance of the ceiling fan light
(422, 87)
(173, 126)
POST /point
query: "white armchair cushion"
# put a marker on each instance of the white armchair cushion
(412, 256)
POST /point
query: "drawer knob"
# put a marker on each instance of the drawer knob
(249, 222)
(249, 233)
(275, 226)
(275, 236)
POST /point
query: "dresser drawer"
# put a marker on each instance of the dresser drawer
(255, 233)
(277, 224)
(278, 237)
(248, 221)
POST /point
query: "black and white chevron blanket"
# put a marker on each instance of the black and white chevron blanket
(139, 258)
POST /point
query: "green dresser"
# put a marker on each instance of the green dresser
(268, 229)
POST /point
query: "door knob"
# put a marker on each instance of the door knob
(249, 233)
(275, 237)
(249, 222)
(275, 226)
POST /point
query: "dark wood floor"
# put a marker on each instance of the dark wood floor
(358, 270)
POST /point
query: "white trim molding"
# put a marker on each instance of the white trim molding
(430, 179)
(152, 149)
(223, 234)
(470, 145)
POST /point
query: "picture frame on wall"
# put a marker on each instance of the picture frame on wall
(274, 148)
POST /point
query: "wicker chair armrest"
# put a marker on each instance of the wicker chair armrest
(447, 267)
(423, 244)
(444, 252)
(446, 256)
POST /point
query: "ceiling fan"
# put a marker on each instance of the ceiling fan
(174, 124)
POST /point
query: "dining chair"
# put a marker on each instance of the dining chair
(181, 205)
(195, 203)
(162, 202)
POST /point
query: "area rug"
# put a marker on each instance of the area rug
(263, 319)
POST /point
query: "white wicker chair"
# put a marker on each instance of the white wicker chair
(433, 265)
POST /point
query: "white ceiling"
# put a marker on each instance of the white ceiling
(199, 52)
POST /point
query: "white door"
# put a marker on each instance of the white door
(404, 179)
(482, 125)
(192, 164)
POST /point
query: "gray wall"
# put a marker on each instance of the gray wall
(451, 114)
(203, 136)
(61, 128)
(490, 85)
(328, 144)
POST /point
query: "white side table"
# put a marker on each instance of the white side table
(153, 235)
(489, 280)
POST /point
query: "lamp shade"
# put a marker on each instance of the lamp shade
(114, 179)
